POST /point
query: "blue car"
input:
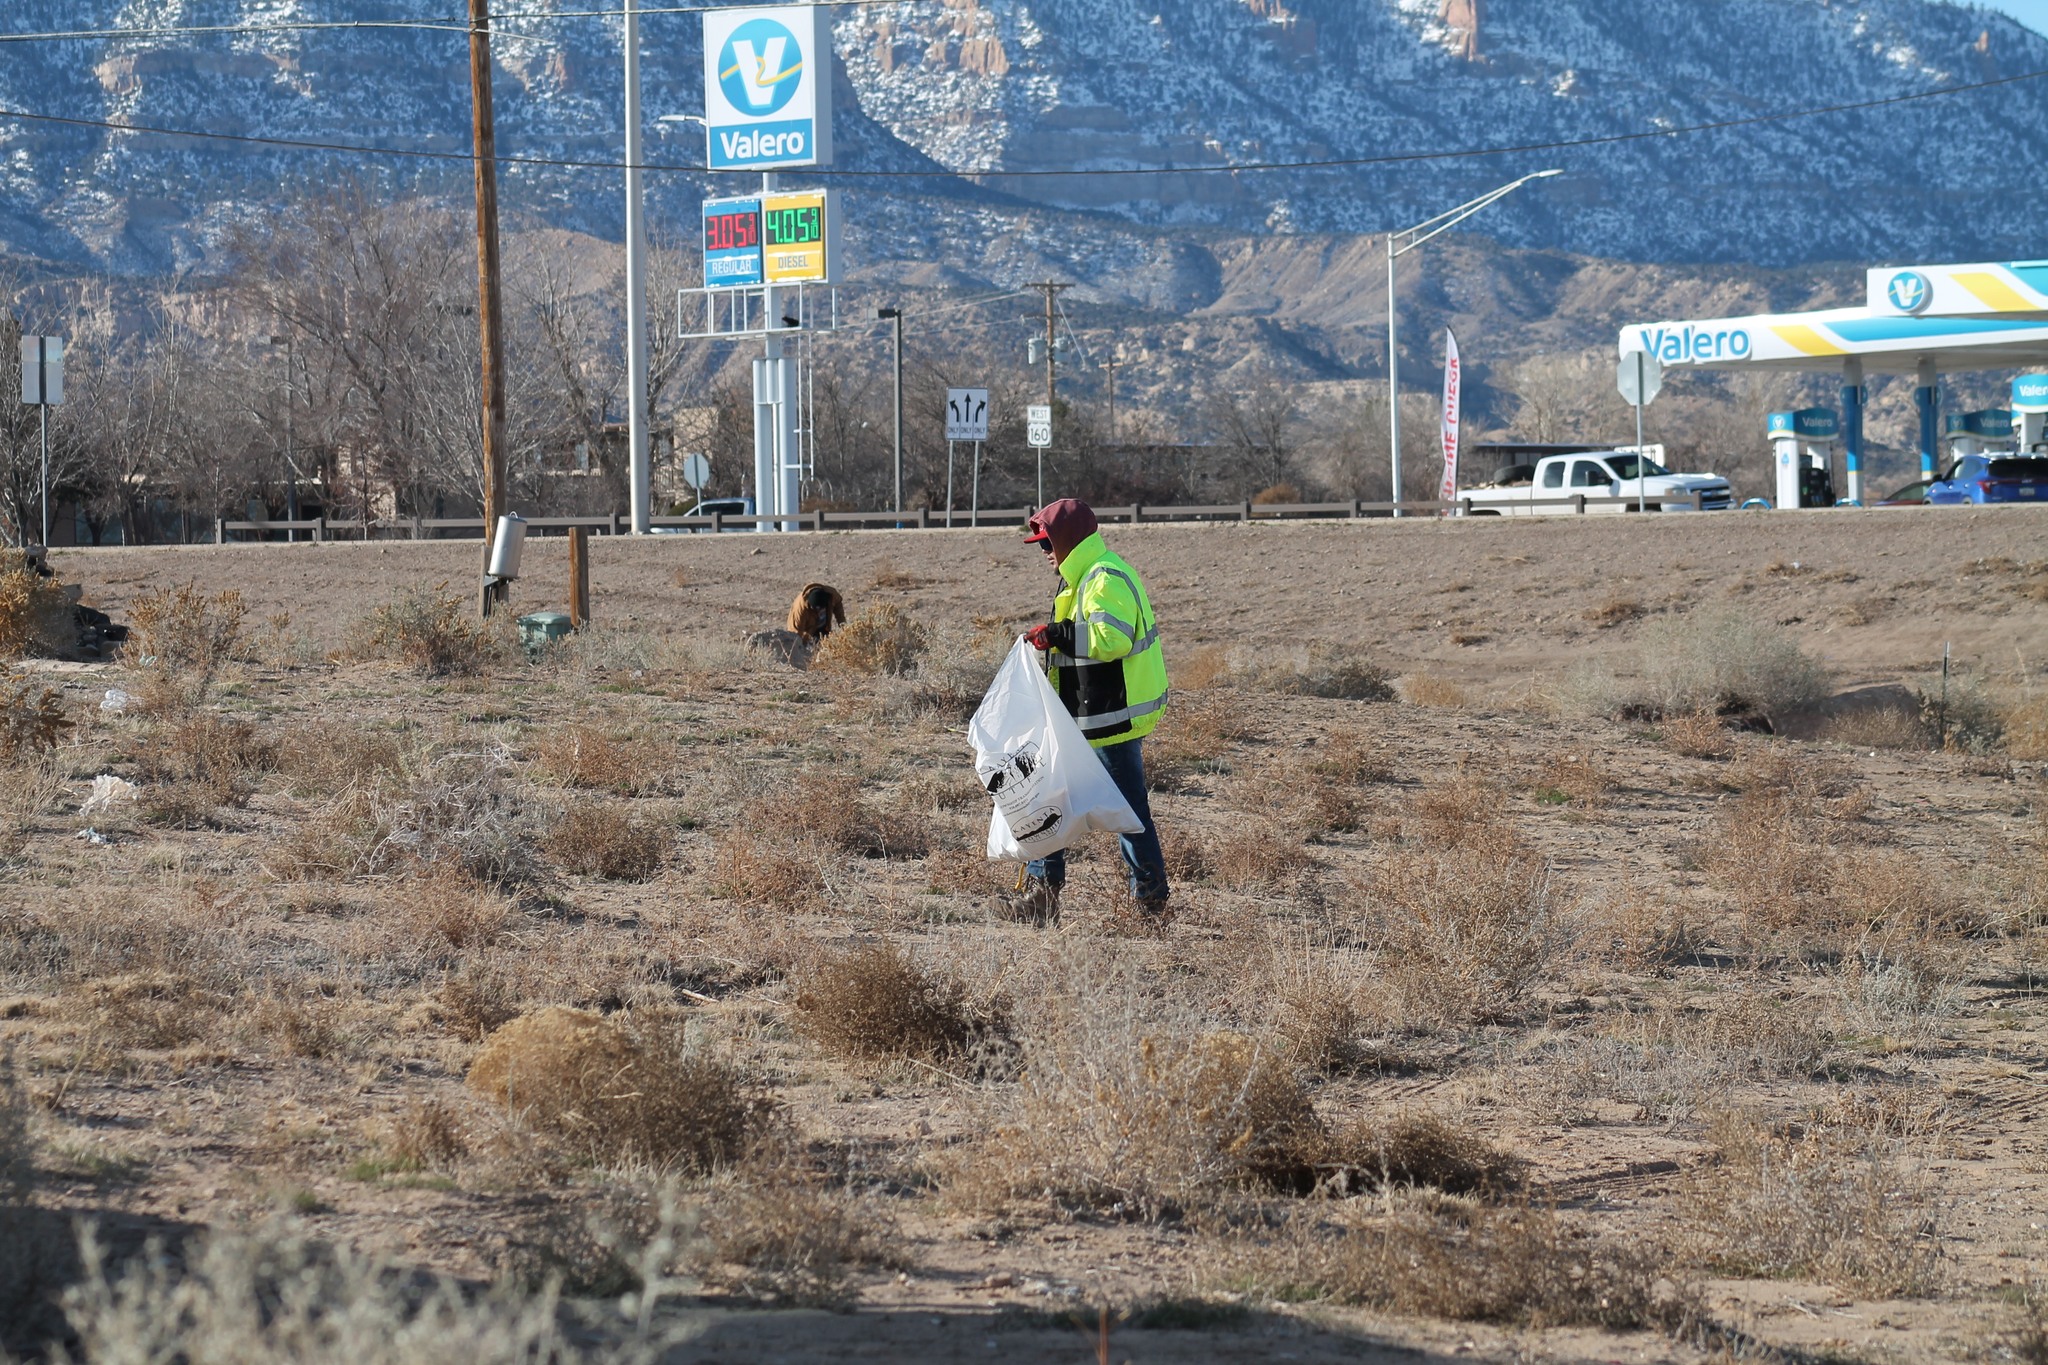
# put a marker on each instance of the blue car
(1992, 478)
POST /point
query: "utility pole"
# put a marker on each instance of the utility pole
(1109, 368)
(895, 315)
(490, 322)
(1052, 291)
(638, 465)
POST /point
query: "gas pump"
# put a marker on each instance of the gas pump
(1804, 442)
(2030, 412)
(1976, 433)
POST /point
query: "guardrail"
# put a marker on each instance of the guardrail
(325, 529)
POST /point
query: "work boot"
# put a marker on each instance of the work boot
(1037, 903)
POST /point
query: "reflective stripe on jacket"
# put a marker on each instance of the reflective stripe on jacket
(1115, 682)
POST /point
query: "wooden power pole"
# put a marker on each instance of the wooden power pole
(1051, 292)
(490, 317)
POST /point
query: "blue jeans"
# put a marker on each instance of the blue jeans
(1147, 865)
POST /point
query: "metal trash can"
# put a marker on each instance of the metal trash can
(539, 629)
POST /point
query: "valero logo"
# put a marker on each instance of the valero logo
(1909, 291)
(759, 67)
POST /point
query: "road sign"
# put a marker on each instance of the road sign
(1038, 425)
(42, 370)
(768, 87)
(967, 414)
(1640, 377)
(696, 472)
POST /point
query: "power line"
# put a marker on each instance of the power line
(448, 25)
(1321, 164)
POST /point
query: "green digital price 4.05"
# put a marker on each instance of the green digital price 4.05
(795, 226)
(797, 236)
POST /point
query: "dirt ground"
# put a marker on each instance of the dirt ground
(1691, 992)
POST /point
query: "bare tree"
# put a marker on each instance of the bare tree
(1257, 426)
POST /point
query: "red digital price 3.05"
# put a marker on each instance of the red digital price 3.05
(731, 231)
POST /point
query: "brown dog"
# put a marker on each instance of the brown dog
(814, 611)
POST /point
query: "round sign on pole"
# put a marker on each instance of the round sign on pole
(1639, 377)
(696, 472)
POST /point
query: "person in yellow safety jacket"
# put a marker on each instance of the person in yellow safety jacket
(1102, 646)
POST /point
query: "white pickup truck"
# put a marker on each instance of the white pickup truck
(1557, 481)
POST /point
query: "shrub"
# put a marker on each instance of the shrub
(1430, 1256)
(1429, 689)
(281, 1297)
(1718, 660)
(826, 807)
(780, 1230)
(1829, 1202)
(604, 839)
(1468, 928)
(448, 909)
(201, 762)
(877, 1002)
(185, 633)
(1336, 674)
(1697, 734)
(584, 756)
(427, 1135)
(781, 873)
(881, 640)
(625, 1087)
(31, 721)
(35, 614)
(1423, 1150)
(430, 631)
(1124, 1108)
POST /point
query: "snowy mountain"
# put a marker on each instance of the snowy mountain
(1106, 92)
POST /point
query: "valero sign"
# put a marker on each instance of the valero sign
(1807, 424)
(1677, 343)
(768, 87)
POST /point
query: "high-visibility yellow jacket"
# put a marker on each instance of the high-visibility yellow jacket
(1115, 681)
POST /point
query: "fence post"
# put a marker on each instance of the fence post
(1579, 504)
(717, 522)
(1699, 500)
(1244, 511)
(1137, 513)
(320, 528)
(817, 519)
(579, 577)
(1464, 507)
(924, 518)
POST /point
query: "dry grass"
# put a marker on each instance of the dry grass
(447, 909)
(606, 839)
(1251, 855)
(1615, 611)
(780, 1230)
(428, 1135)
(780, 873)
(1332, 673)
(328, 756)
(584, 756)
(1202, 667)
(1835, 1203)
(1429, 689)
(883, 640)
(31, 719)
(1195, 739)
(1468, 926)
(199, 762)
(2026, 726)
(1427, 1255)
(622, 1088)
(431, 631)
(1123, 1108)
(826, 807)
(1722, 661)
(878, 1002)
(1697, 734)
(1419, 1151)
(1574, 780)
(35, 616)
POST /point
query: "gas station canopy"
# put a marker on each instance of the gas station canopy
(1921, 320)
(1895, 344)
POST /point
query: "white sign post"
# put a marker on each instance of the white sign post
(1640, 378)
(42, 383)
(768, 87)
(966, 420)
(1038, 434)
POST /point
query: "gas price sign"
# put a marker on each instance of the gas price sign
(732, 242)
(797, 231)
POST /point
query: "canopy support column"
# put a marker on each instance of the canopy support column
(1852, 427)
(1927, 398)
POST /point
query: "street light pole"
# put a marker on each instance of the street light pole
(1399, 244)
(895, 315)
(640, 473)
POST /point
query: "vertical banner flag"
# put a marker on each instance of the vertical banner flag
(1453, 381)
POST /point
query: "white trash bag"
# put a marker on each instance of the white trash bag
(1050, 789)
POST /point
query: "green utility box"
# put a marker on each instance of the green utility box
(538, 630)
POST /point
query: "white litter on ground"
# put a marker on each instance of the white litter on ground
(108, 792)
